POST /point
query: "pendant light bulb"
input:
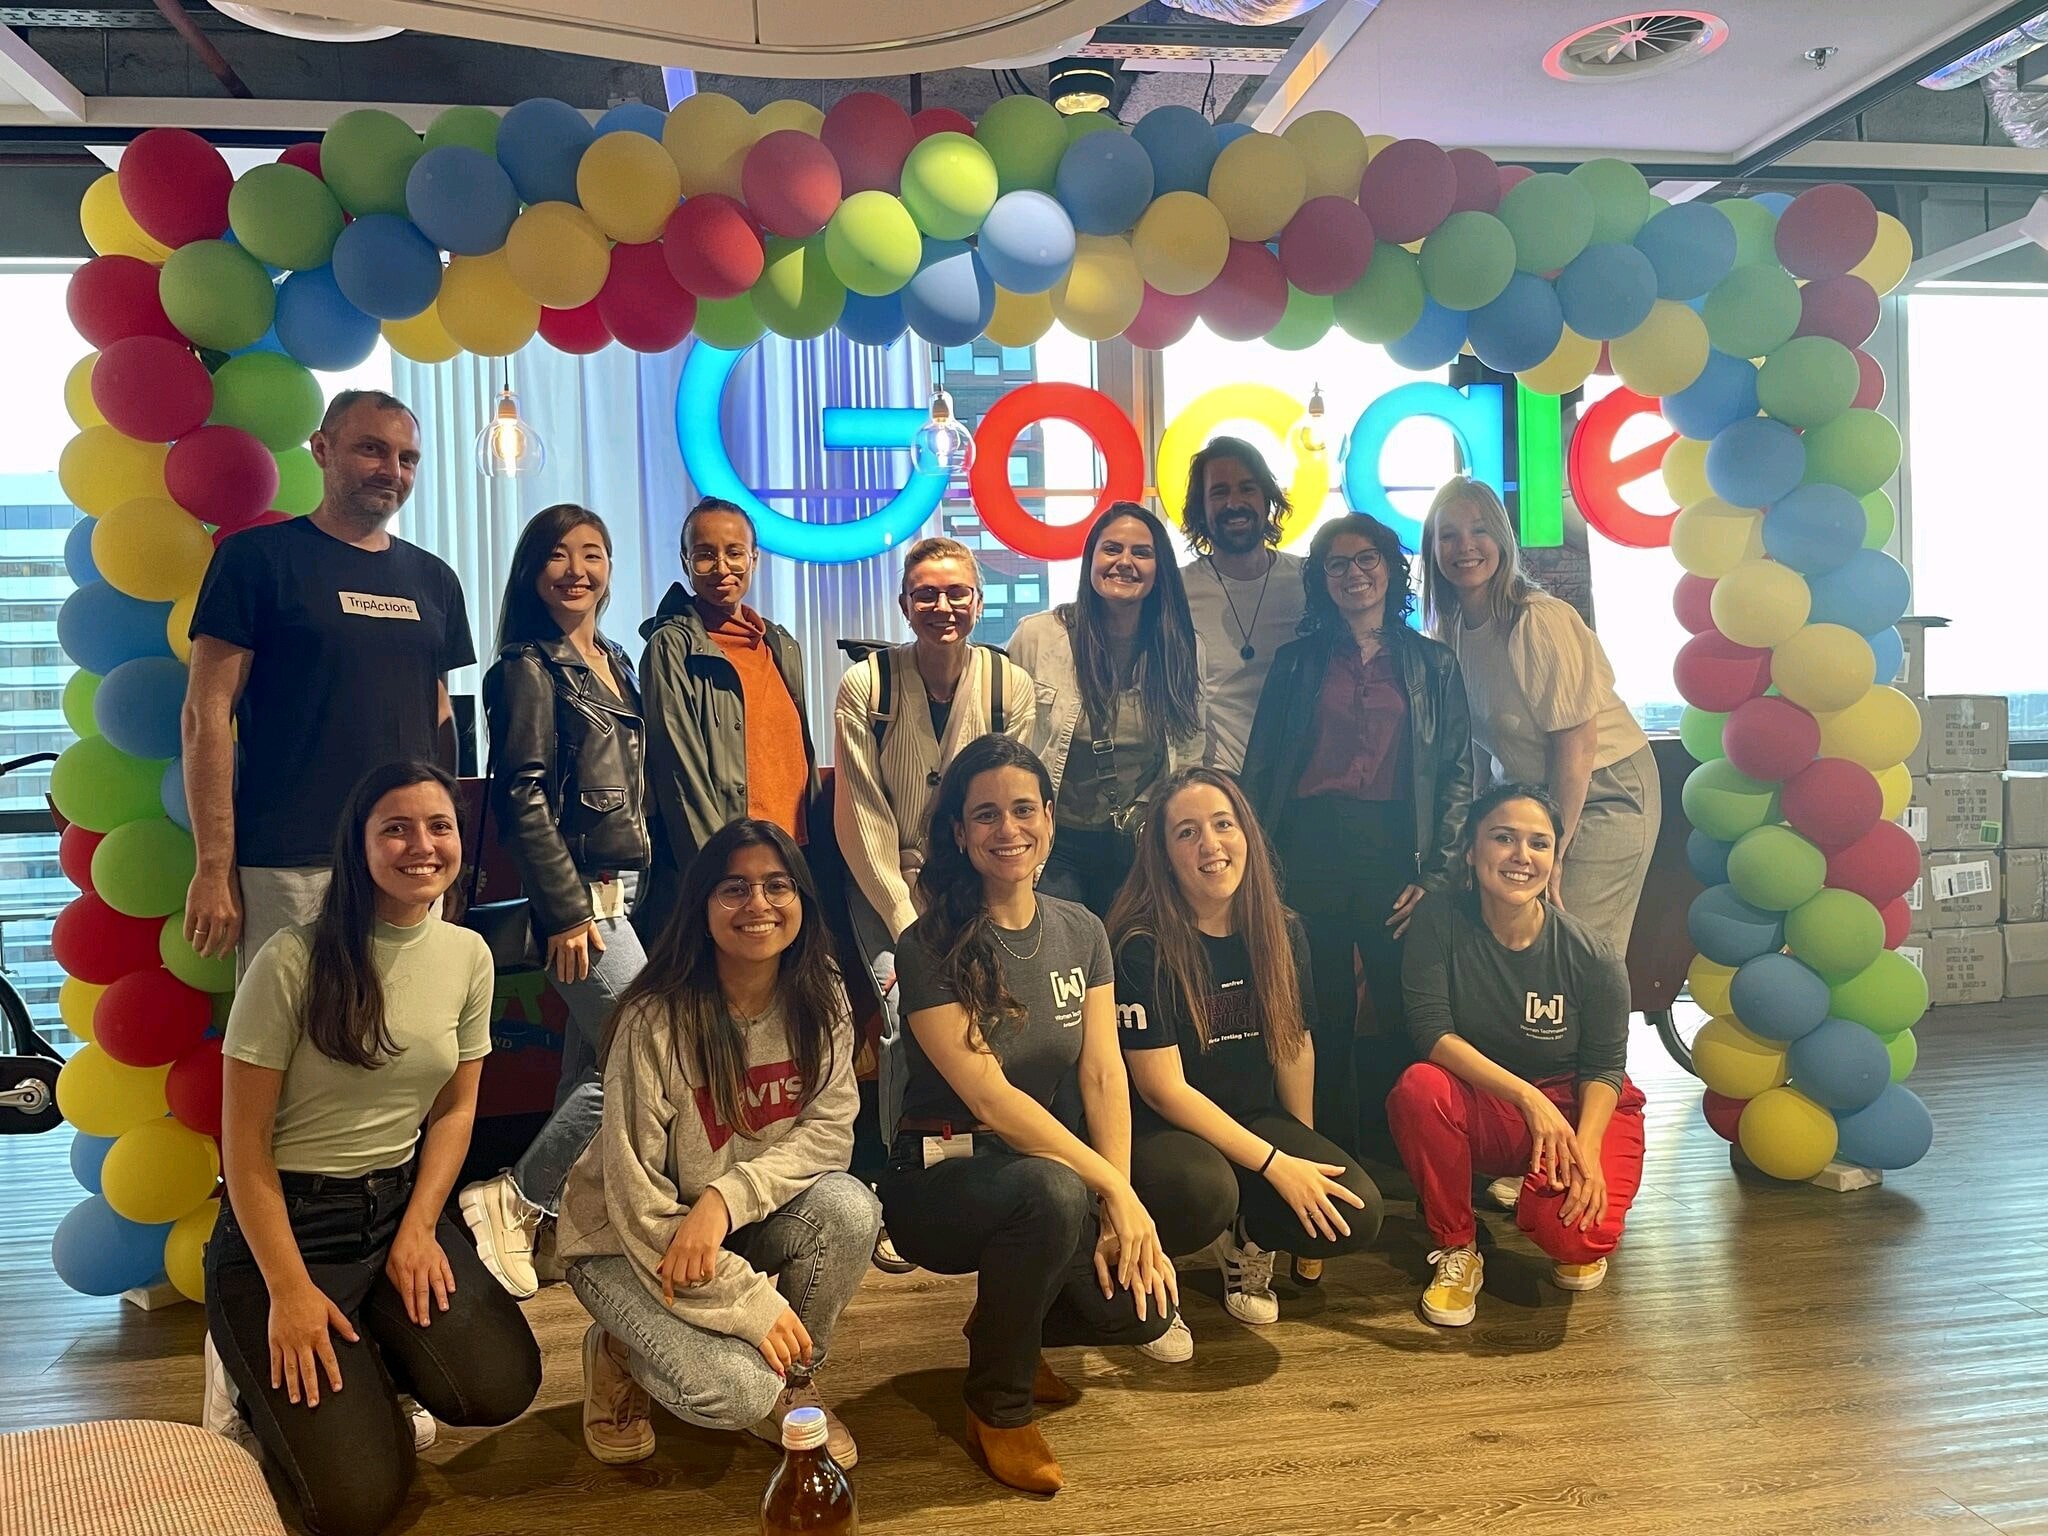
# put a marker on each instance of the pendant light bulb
(508, 446)
(943, 444)
(1308, 437)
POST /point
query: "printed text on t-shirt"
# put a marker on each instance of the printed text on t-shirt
(369, 605)
(773, 1091)
(1538, 1011)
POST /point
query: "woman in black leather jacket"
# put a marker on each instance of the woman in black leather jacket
(1359, 761)
(567, 793)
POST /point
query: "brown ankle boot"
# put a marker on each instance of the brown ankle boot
(1048, 1388)
(1019, 1457)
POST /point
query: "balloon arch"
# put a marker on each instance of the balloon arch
(213, 298)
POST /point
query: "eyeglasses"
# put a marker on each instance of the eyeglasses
(735, 893)
(927, 598)
(704, 561)
(1369, 562)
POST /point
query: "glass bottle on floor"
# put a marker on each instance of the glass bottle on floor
(808, 1492)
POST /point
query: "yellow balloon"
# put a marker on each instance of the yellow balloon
(1786, 1134)
(1567, 367)
(1374, 143)
(178, 625)
(1890, 255)
(110, 229)
(1019, 318)
(101, 1097)
(629, 186)
(152, 548)
(1685, 471)
(1823, 667)
(1735, 1063)
(1258, 182)
(1181, 243)
(1707, 981)
(558, 255)
(185, 1250)
(708, 136)
(483, 309)
(1761, 603)
(423, 337)
(1710, 538)
(1266, 406)
(159, 1171)
(100, 468)
(1879, 730)
(1335, 149)
(75, 1002)
(78, 400)
(788, 113)
(1102, 290)
(1665, 353)
(1897, 784)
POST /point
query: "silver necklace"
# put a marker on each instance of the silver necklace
(1247, 650)
(1037, 927)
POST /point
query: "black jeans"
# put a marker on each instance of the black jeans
(1088, 865)
(1193, 1191)
(350, 1461)
(1026, 1226)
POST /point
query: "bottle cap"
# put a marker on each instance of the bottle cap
(803, 1429)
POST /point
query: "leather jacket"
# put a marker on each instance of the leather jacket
(567, 782)
(1283, 739)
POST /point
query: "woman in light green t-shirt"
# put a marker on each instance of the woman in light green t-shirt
(352, 1058)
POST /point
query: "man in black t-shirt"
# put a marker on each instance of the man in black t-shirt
(323, 645)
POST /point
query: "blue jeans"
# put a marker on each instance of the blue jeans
(579, 1097)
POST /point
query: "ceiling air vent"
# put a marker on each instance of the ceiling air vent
(1633, 46)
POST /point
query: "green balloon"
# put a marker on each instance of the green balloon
(1025, 137)
(1775, 868)
(1753, 311)
(1838, 933)
(1904, 1051)
(1621, 199)
(270, 396)
(1723, 803)
(949, 185)
(731, 323)
(142, 868)
(1468, 261)
(1699, 730)
(1809, 381)
(1081, 124)
(78, 697)
(798, 294)
(1307, 320)
(365, 158)
(1383, 305)
(1886, 996)
(299, 486)
(1880, 517)
(872, 242)
(100, 787)
(188, 965)
(1756, 231)
(470, 127)
(217, 294)
(1551, 218)
(1858, 450)
(285, 216)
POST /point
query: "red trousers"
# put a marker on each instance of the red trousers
(1446, 1130)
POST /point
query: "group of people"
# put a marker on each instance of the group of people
(1179, 907)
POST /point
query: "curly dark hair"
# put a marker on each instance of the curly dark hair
(1320, 612)
(1194, 512)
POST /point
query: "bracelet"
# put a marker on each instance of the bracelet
(1271, 1153)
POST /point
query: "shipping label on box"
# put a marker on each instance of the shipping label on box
(1964, 965)
(1915, 953)
(1961, 733)
(1958, 810)
(2025, 872)
(2026, 810)
(1960, 890)
(2026, 959)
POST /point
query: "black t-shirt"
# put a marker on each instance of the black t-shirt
(1235, 1073)
(348, 646)
(1039, 1053)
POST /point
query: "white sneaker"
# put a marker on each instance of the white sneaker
(1505, 1192)
(1247, 1279)
(1173, 1347)
(424, 1430)
(503, 1223)
(218, 1414)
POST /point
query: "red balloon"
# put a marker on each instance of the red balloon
(1898, 921)
(1722, 1112)
(1770, 738)
(1870, 390)
(1410, 188)
(791, 183)
(305, 155)
(1512, 176)
(580, 330)
(260, 520)
(74, 854)
(1326, 246)
(1879, 866)
(193, 1088)
(1163, 319)
(1832, 802)
(151, 389)
(941, 120)
(1825, 231)
(1844, 308)
(641, 303)
(97, 944)
(870, 136)
(1480, 181)
(1690, 600)
(1248, 296)
(150, 1018)
(176, 185)
(221, 475)
(1715, 674)
(112, 297)
(713, 248)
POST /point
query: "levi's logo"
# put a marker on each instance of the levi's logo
(1068, 988)
(368, 605)
(772, 1092)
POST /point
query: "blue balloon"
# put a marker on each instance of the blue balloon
(1181, 146)
(99, 627)
(78, 552)
(1893, 1131)
(1890, 652)
(461, 199)
(1723, 394)
(874, 322)
(1867, 592)
(630, 117)
(267, 342)
(1607, 291)
(385, 267)
(1432, 341)
(318, 326)
(1777, 202)
(1752, 463)
(100, 1253)
(1027, 240)
(1777, 997)
(1226, 135)
(1104, 182)
(1840, 1065)
(1691, 247)
(1815, 528)
(950, 299)
(1728, 930)
(1520, 328)
(172, 793)
(1706, 857)
(539, 143)
(138, 705)
(88, 1153)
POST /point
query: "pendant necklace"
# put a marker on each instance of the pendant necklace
(1247, 650)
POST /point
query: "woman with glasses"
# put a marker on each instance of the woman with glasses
(712, 1229)
(1360, 762)
(1118, 676)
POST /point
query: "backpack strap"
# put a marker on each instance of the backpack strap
(998, 720)
(882, 696)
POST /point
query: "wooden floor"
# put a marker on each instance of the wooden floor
(1763, 1359)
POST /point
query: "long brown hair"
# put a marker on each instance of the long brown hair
(1151, 905)
(1507, 592)
(1165, 650)
(678, 988)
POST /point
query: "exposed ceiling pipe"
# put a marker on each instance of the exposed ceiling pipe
(216, 65)
(1246, 13)
(1975, 65)
(2021, 113)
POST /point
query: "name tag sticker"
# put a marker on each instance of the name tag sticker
(368, 605)
(607, 899)
(938, 1148)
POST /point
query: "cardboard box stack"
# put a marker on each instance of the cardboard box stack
(2025, 875)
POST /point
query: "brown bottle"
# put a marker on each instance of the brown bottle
(808, 1493)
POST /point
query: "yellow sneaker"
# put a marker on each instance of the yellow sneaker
(1578, 1277)
(1452, 1299)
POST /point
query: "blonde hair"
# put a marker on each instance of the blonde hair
(938, 548)
(1509, 589)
